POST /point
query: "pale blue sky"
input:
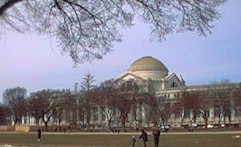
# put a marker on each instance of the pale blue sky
(36, 63)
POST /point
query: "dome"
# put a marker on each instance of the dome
(148, 67)
(147, 63)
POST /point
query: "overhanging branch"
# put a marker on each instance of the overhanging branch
(7, 5)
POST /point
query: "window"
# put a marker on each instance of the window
(174, 84)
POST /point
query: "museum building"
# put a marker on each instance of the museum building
(154, 77)
(168, 87)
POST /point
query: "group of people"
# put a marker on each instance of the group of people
(156, 133)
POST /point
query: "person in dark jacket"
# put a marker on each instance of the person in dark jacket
(156, 134)
(144, 137)
(39, 134)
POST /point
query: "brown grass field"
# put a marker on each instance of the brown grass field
(170, 139)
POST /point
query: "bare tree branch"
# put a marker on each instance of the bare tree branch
(87, 30)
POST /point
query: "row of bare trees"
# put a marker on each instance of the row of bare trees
(116, 104)
(222, 100)
(74, 107)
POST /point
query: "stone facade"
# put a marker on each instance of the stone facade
(167, 86)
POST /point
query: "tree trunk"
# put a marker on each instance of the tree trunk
(109, 123)
(74, 123)
(46, 122)
(37, 120)
(206, 122)
(182, 119)
(59, 122)
(194, 119)
(88, 119)
(205, 117)
(219, 119)
(224, 120)
(46, 126)
(124, 124)
(229, 118)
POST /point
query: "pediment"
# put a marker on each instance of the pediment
(129, 76)
(172, 77)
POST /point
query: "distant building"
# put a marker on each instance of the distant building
(167, 86)
(155, 78)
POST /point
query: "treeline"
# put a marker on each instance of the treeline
(116, 102)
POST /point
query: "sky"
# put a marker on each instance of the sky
(35, 63)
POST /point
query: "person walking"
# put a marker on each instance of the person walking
(156, 133)
(133, 141)
(144, 137)
(39, 134)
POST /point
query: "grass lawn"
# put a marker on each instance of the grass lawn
(218, 139)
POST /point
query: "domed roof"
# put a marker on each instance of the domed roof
(147, 63)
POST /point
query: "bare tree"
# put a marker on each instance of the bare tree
(165, 111)
(45, 102)
(105, 100)
(14, 98)
(5, 115)
(86, 97)
(177, 109)
(190, 103)
(125, 97)
(206, 103)
(35, 104)
(64, 102)
(222, 99)
(71, 107)
(237, 100)
(154, 113)
(81, 110)
(87, 83)
(87, 30)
